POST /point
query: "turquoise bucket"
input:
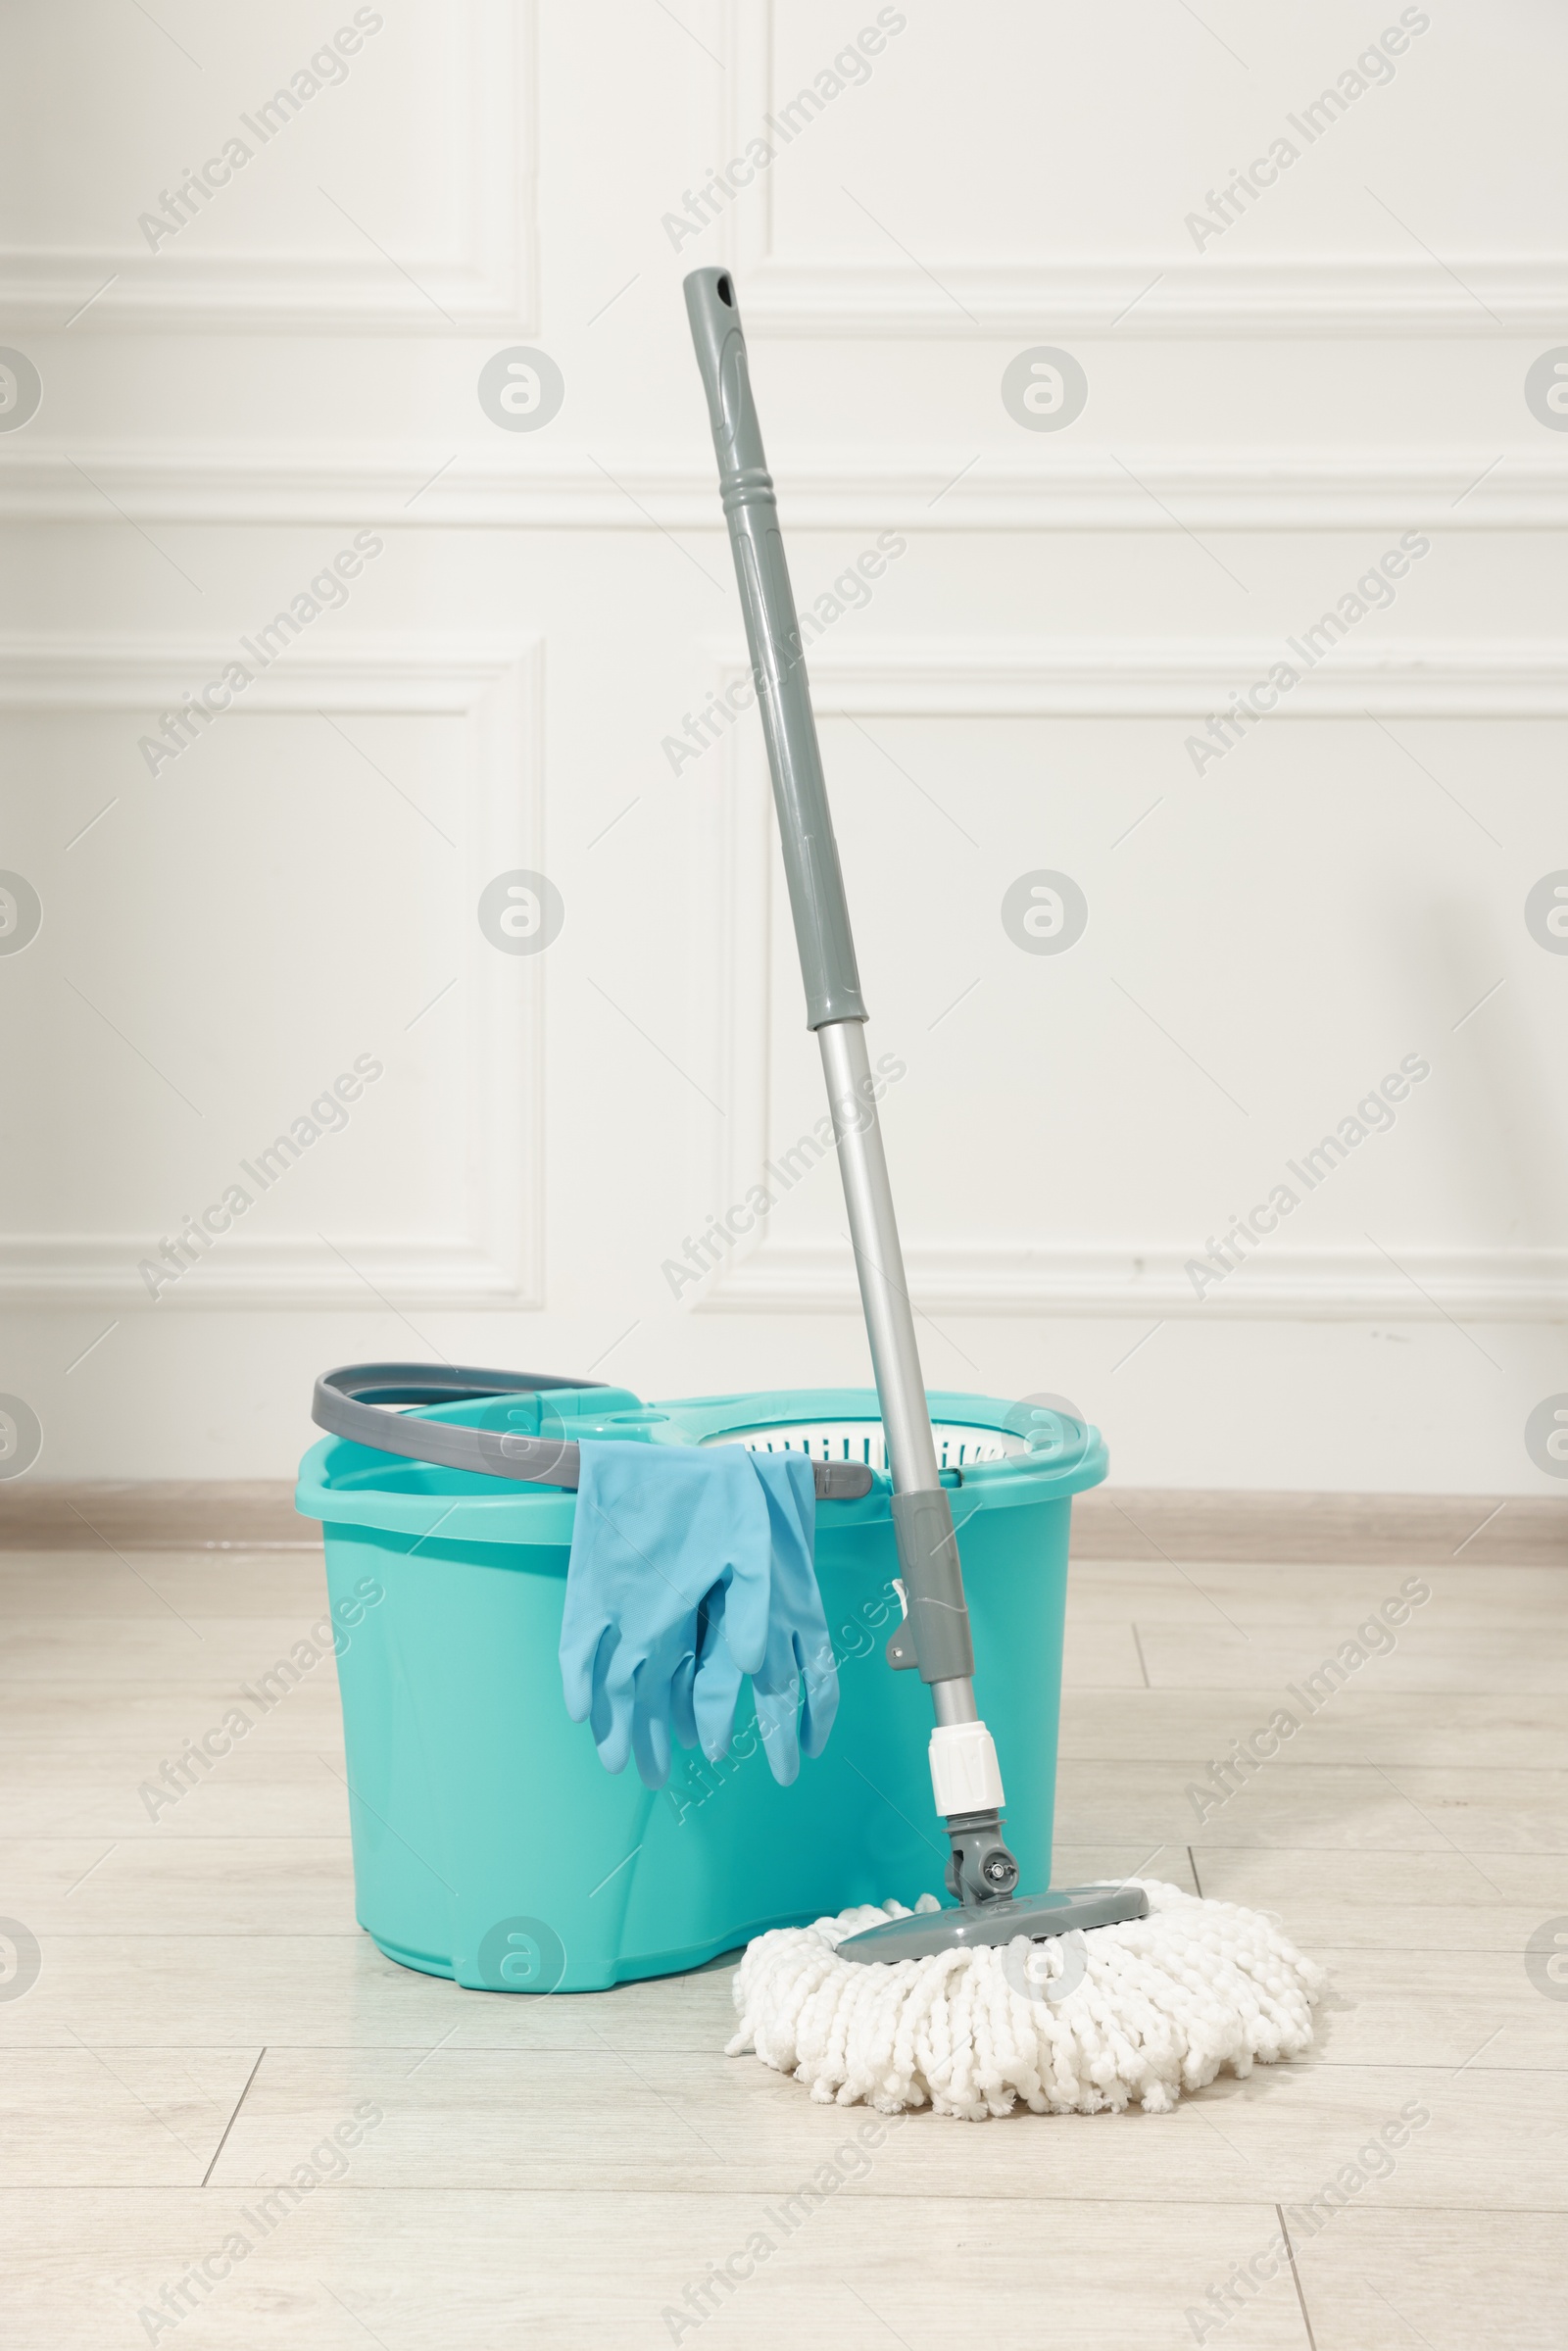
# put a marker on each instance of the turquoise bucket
(491, 1846)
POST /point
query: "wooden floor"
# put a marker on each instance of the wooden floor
(560, 2172)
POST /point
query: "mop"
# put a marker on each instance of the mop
(1068, 2001)
(1131, 2014)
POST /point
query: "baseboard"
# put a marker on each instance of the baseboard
(195, 1514)
(1396, 1530)
(1411, 1529)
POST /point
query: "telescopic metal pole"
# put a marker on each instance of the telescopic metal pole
(965, 1779)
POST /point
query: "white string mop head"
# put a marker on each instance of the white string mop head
(1115, 2016)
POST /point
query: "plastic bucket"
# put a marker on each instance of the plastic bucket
(490, 1844)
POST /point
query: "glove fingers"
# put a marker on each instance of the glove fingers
(775, 1719)
(650, 1730)
(601, 1715)
(661, 1699)
(800, 1636)
(739, 1529)
(718, 1684)
(582, 1645)
(718, 1678)
(615, 1670)
(747, 1603)
(794, 1666)
(614, 1740)
(820, 1678)
(682, 1715)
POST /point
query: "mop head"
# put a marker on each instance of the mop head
(1117, 2016)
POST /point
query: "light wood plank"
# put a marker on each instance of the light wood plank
(157, 1716)
(597, 2117)
(201, 1885)
(103, 2116)
(147, 1583)
(1329, 1600)
(53, 1648)
(261, 1788)
(1362, 1723)
(1430, 1656)
(1416, 2002)
(1397, 1529)
(1378, 2281)
(1344, 1899)
(510, 2272)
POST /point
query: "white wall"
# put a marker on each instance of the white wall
(1270, 409)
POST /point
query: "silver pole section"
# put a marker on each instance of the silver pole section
(964, 1776)
(884, 1290)
(965, 1779)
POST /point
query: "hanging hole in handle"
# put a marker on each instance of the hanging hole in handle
(722, 289)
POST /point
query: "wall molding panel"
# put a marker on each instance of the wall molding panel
(1110, 677)
(1192, 299)
(564, 489)
(990, 1278)
(488, 285)
(996, 1279)
(495, 686)
(1185, 296)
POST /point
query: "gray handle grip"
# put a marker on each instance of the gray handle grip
(350, 1402)
(778, 662)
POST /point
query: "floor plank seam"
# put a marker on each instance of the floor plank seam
(234, 2117)
(917, 2192)
(1301, 2297)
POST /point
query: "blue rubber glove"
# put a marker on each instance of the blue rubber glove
(798, 1650)
(708, 1684)
(799, 1653)
(660, 1700)
(656, 1529)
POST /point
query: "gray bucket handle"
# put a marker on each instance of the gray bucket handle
(350, 1402)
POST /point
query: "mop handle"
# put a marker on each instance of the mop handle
(928, 1551)
(778, 663)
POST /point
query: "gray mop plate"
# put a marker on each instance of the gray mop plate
(927, 1932)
